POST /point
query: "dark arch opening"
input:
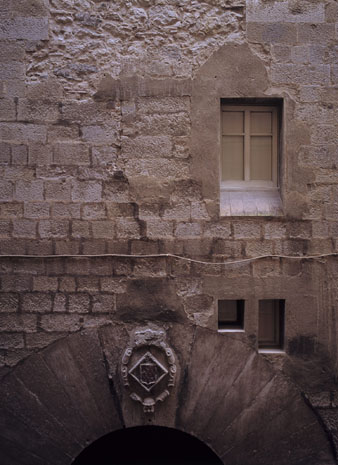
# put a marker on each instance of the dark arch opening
(147, 445)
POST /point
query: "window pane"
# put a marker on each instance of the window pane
(233, 158)
(233, 122)
(261, 122)
(261, 158)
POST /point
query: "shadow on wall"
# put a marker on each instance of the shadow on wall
(148, 445)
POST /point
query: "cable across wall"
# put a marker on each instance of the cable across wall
(177, 257)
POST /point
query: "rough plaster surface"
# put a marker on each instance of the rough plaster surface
(109, 117)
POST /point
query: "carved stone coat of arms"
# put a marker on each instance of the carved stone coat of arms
(148, 368)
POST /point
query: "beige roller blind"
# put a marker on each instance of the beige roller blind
(261, 158)
(233, 158)
(249, 144)
(233, 122)
(233, 145)
(261, 122)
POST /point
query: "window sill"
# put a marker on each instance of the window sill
(231, 330)
(250, 202)
(271, 351)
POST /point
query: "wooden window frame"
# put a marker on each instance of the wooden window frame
(247, 183)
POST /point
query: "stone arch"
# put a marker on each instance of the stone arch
(151, 445)
(58, 401)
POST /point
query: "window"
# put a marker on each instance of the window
(231, 315)
(271, 324)
(250, 158)
(249, 136)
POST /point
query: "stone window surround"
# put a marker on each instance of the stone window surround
(251, 198)
(234, 73)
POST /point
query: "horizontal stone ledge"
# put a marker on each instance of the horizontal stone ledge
(135, 86)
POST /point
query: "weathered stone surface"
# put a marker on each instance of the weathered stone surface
(24, 28)
(56, 401)
(272, 33)
(230, 402)
(19, 132)
(315, 33)
(87, 191)
(284, 11)
(110, 144)
(11, 70)
(37, 110)
(147, 146)
(37, 303)
(151, 305)
(66, 385)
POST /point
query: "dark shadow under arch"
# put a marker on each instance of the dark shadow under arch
(147, 445)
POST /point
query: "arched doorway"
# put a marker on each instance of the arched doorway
(63, 398)
(148, 445)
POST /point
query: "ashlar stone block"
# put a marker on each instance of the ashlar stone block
(18, 322)
(12, 70)
(79, 303)
(285, 11)
(58, 190)
(272, 33)
(147, 147)
(27, 28)
(71, 154)
(38, 111)
(316, 33)
(11, 341)
(29, 190)
(7, 110)
(18, 132)
(6, 190)
(57, 323)
(53, 229)
(24, 228)
(36, 210)
(86, 191)
(37, 302)
(298, 74)
(19, 155)
(5, 154)
(9, 303)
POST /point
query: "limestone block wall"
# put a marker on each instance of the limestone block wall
(110, 145)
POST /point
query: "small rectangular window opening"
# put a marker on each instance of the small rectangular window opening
(271, 324)
(231, 314)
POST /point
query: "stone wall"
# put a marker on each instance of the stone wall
(109, 145)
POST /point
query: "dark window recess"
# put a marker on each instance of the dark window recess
(231, 314)
(271, 324)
